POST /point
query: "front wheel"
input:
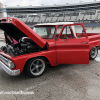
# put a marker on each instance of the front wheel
(36, 67)
(93, 53)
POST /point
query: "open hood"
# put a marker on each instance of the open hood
(17, 29)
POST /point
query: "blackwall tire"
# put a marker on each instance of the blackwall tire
(93, 53)
(36, 67)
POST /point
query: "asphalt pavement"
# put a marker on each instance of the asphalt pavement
(62, 82)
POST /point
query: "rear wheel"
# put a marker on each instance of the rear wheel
(93, 53)
(36, 67)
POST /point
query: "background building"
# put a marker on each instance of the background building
(2, 10)
(87, 13)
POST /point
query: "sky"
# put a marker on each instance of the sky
(41, 2)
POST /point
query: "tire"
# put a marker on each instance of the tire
(93, 53)
(36, 67)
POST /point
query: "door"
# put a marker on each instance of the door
(72, 47)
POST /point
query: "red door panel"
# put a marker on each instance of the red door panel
(72, 51)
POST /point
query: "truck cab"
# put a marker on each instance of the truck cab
(53, 43)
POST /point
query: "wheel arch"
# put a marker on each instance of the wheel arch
(97, 46)
(37, 57)
(96, 53)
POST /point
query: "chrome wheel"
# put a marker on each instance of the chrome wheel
(93, 53)
(36, 67)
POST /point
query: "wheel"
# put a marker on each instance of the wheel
(36, 67)
(93, 53)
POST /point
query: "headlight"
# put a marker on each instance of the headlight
(11, 64)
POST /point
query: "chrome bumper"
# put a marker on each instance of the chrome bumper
(8, 70)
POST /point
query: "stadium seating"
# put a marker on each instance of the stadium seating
(80, 17)
(24, 19)
(48, 19)
(94, 17)
(36, 19)
(19, 18)
(73, 18)
(87, 17)
(67, 18)
(54, 19)
(42, 19)
(98, 16)
(61, 19)
(30, 19)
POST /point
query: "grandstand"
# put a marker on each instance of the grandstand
(87, 13)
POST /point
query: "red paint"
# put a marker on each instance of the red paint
(61, 51)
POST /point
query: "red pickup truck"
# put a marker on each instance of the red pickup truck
(54, 43)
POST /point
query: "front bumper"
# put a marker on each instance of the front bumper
(8, 70)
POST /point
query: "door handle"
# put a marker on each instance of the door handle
(84, 42)
(64, 40)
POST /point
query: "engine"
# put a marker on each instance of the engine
(25, 46)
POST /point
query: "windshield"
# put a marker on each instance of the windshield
(46, 32)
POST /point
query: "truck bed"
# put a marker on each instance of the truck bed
(93, 36)
(94, 39)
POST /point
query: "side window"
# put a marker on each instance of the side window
(78, 31)
(67, 33)
(40, 30)
(58, 32)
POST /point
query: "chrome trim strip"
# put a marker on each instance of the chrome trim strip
(8, 70)
(5, 60)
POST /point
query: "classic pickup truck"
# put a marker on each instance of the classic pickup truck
(53, 43)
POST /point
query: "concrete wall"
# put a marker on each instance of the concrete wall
(92, 29)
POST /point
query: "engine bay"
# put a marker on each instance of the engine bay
(24, 46)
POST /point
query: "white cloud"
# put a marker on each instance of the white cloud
(24, 3)
(39, 2)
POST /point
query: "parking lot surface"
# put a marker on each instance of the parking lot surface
(62, 82)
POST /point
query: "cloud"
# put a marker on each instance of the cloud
(39, 2)
(24, 3)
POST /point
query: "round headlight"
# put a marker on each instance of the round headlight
(11, 64)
